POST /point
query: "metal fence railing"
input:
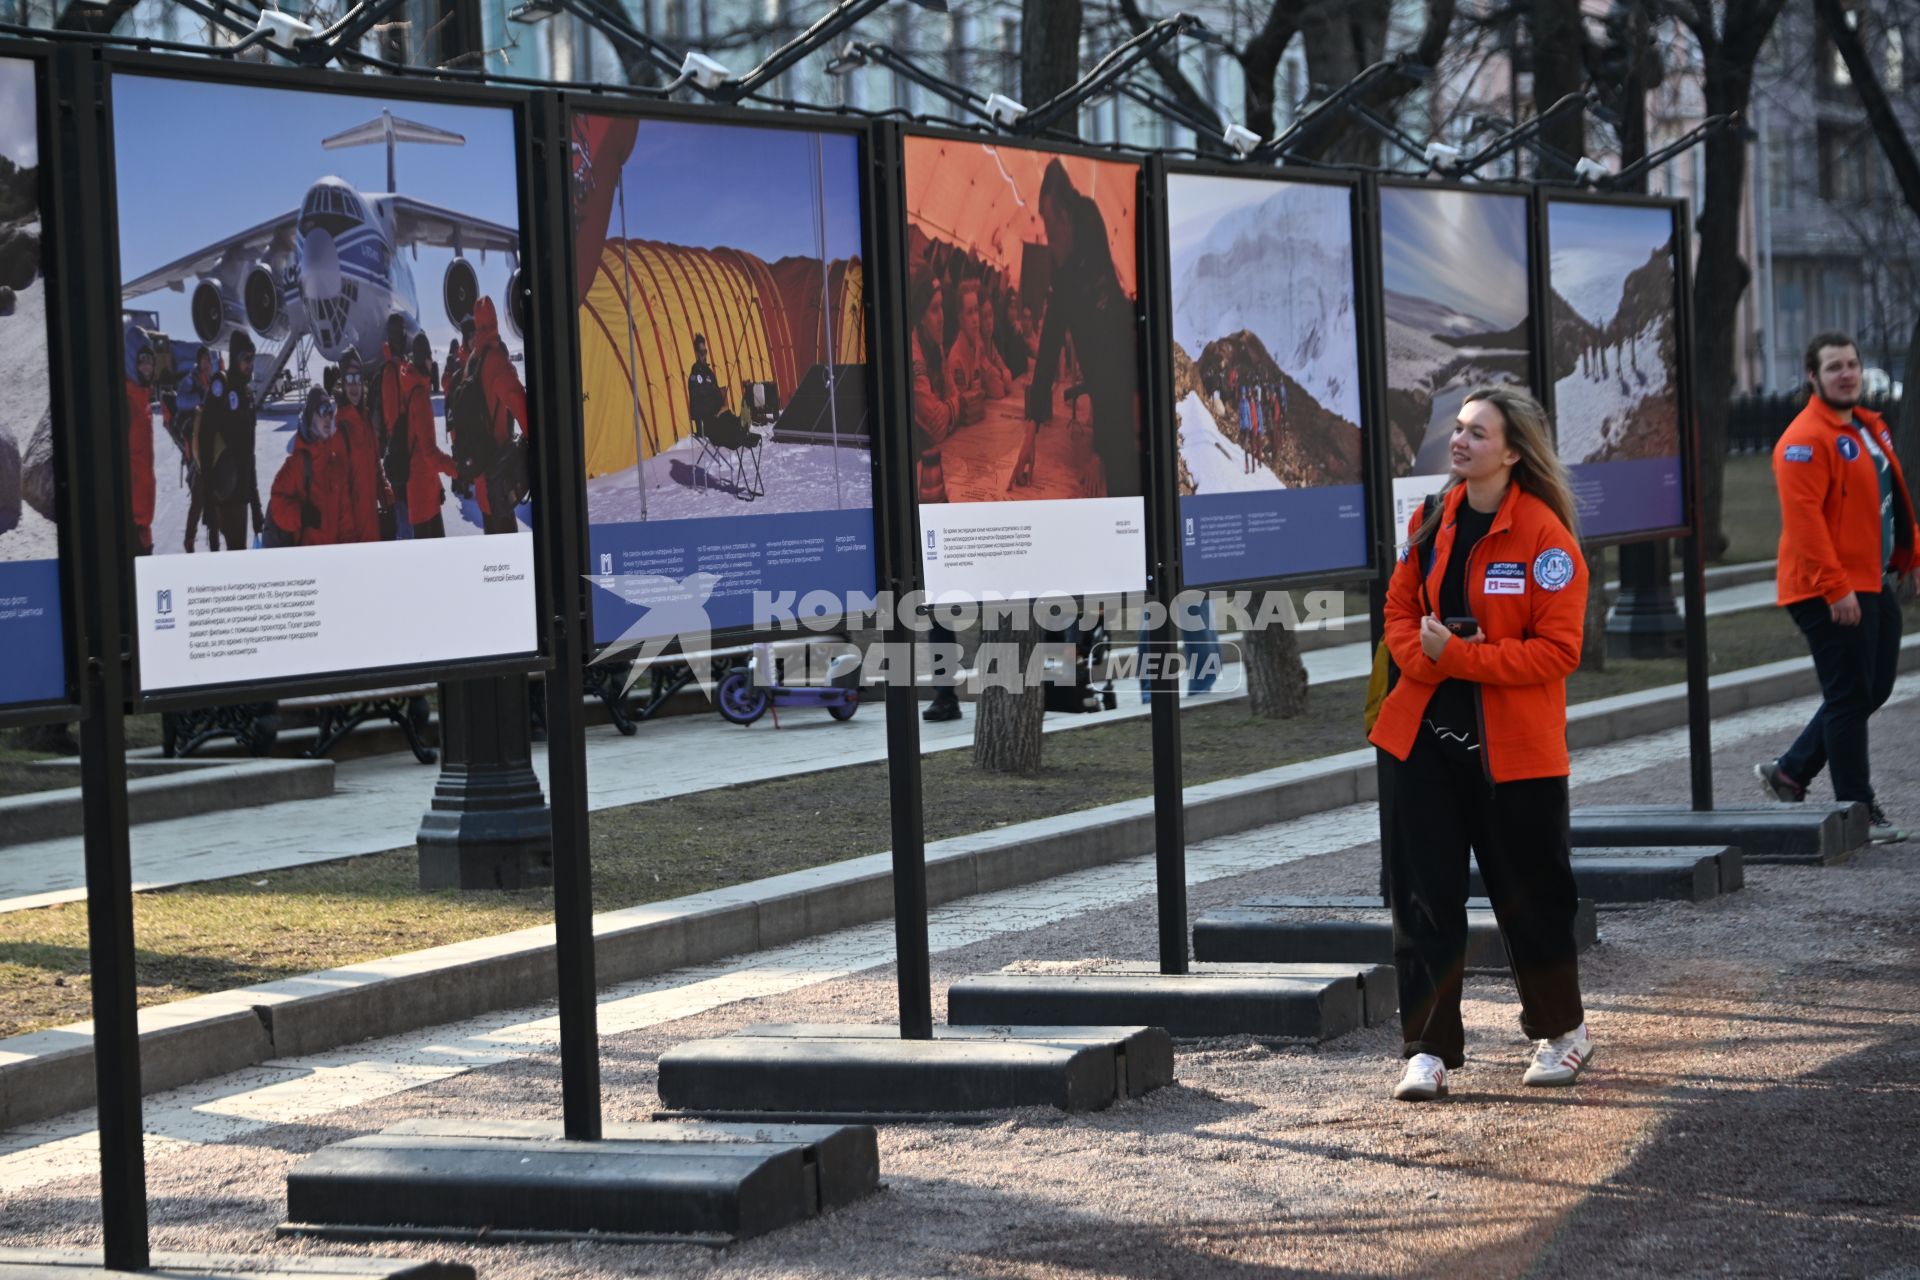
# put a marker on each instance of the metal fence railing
(1754, 422)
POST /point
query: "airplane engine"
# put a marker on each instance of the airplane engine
(517, 303)
(460, 290)
(216, 313)
(261, 295)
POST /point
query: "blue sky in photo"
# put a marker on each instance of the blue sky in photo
(1623, 231)
(734, 186)
(1463, 249)
(19, 113)
(198, 161)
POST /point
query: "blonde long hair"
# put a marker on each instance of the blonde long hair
(1539, 470)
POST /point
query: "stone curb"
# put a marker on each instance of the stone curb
(49, 1073)
(187, 789)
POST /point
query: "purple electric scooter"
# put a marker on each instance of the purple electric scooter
(743, 700)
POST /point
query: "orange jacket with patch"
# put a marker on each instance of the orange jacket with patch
(1526, 582)
(1830, 506)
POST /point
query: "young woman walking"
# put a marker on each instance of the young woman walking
(1484, 617)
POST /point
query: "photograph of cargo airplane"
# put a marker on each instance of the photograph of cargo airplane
(338, 264)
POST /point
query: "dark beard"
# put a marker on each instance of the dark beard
(1839, 406)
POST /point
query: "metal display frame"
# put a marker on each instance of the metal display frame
(115, 63)
(62, 245)
(1369, 424)
(572, 104)
(1544, 199)
(1144, 354)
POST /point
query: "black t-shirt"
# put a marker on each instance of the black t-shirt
(1452, 704)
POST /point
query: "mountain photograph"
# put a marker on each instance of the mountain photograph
(1616, 395)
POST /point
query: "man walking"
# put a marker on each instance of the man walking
(1847, 548)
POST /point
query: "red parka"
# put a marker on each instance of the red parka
(139, 430)
(1830, 506)
(364, 474)
(314, 481)
(500, 383)
(406, 398)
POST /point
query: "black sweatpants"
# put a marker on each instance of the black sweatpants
(1440, 804)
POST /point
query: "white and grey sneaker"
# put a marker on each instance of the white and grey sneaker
(1425, 1080)
(1560, 1060)
(1880, 827)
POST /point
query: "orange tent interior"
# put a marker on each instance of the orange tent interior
(985, 198)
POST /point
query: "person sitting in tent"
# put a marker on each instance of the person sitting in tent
(707, 403)
(971, 363)
(936, 406)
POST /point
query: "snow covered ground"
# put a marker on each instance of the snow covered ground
(1592, 409)
(1216, 464)
(23, 398)
(797, 477)
(272, 442)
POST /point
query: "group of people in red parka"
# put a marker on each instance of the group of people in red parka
(367, 463)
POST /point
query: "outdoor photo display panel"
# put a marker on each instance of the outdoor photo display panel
(1266, 378)
(721, 288)
(1454, 280)
(1616, 357)
(1023, 296)
(380, 496)
(31, 635)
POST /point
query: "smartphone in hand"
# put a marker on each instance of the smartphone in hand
(1466, 627)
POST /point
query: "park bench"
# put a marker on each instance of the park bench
(255, 725)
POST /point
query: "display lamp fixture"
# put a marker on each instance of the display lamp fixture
(1205, 122)
(829, 27)
(1350, 100)
(860, 53)
(533, 12)
(1106, 74)
(1004, 111)
(1527, 134)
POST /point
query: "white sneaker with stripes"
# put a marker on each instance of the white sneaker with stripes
(1425, 1079)
(1560, 1060)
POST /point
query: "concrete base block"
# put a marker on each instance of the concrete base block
(1268, 1001)
(525, 1182)
(1801, 833)
(1634, 877)
(868, 1072)
(48, 1264)
(1343, 930)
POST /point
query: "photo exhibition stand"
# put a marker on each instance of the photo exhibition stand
(914, 1071)
(1290, 1001)
(538, 1181)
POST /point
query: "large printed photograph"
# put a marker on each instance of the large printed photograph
(1266, 377)
(30, 612)
(721, 290)
(321, 318)
(1616, 390)
(1456, 300)
(1022, 295)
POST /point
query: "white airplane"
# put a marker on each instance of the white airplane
(334, 267)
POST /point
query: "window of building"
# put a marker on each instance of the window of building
(1839, 304)
(1779, 169)
(1848, 171)
(1893, 60)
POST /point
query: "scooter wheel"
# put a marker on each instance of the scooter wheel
(739, 699)
(845, 710)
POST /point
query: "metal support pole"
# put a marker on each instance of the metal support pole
(561, 524)
(1699, 705)
(89, 333)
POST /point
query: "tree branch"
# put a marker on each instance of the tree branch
(1873, 96)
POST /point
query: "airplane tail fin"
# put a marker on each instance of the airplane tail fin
(390, 129)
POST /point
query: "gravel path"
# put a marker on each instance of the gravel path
(1752, 1111)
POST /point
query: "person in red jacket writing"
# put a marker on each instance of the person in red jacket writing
(1847, 551)
(311, 503)
(139, 367)
(1484, 618)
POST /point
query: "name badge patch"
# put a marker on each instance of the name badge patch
(1505, 578)
(1798, 453)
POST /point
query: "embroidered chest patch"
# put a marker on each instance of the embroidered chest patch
(1505, 578)
(1553, 569)
(1849, 448)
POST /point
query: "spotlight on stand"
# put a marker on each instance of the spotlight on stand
(1004, 110)
(1242, 139)
(850, 59)
(704, 71)
(533, 12)
(1588, 169)
(1440, 155)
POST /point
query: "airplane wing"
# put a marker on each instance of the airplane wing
(374, 131)
(417, 222)
(182, 271)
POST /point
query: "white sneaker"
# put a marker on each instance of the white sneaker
(1425, 1080)
(1560, 1060)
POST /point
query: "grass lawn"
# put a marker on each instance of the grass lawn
(228, 933)
(1752, 509)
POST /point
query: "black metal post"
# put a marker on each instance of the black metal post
(1644, 622)
(89, 334)
(894, 511)
(1383, 528)
(1699, 705)
(1163, 551)
(560, 526)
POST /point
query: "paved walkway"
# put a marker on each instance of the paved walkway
(379, 800)
(312, 1088)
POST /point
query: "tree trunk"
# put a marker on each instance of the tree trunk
(1049, 50)
(1906, 432)
(1276, 677)
(1260, 62)
(1340, 42)
(1559, 68)
(1006, 725)
(1720, 278)
(1593, 641)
